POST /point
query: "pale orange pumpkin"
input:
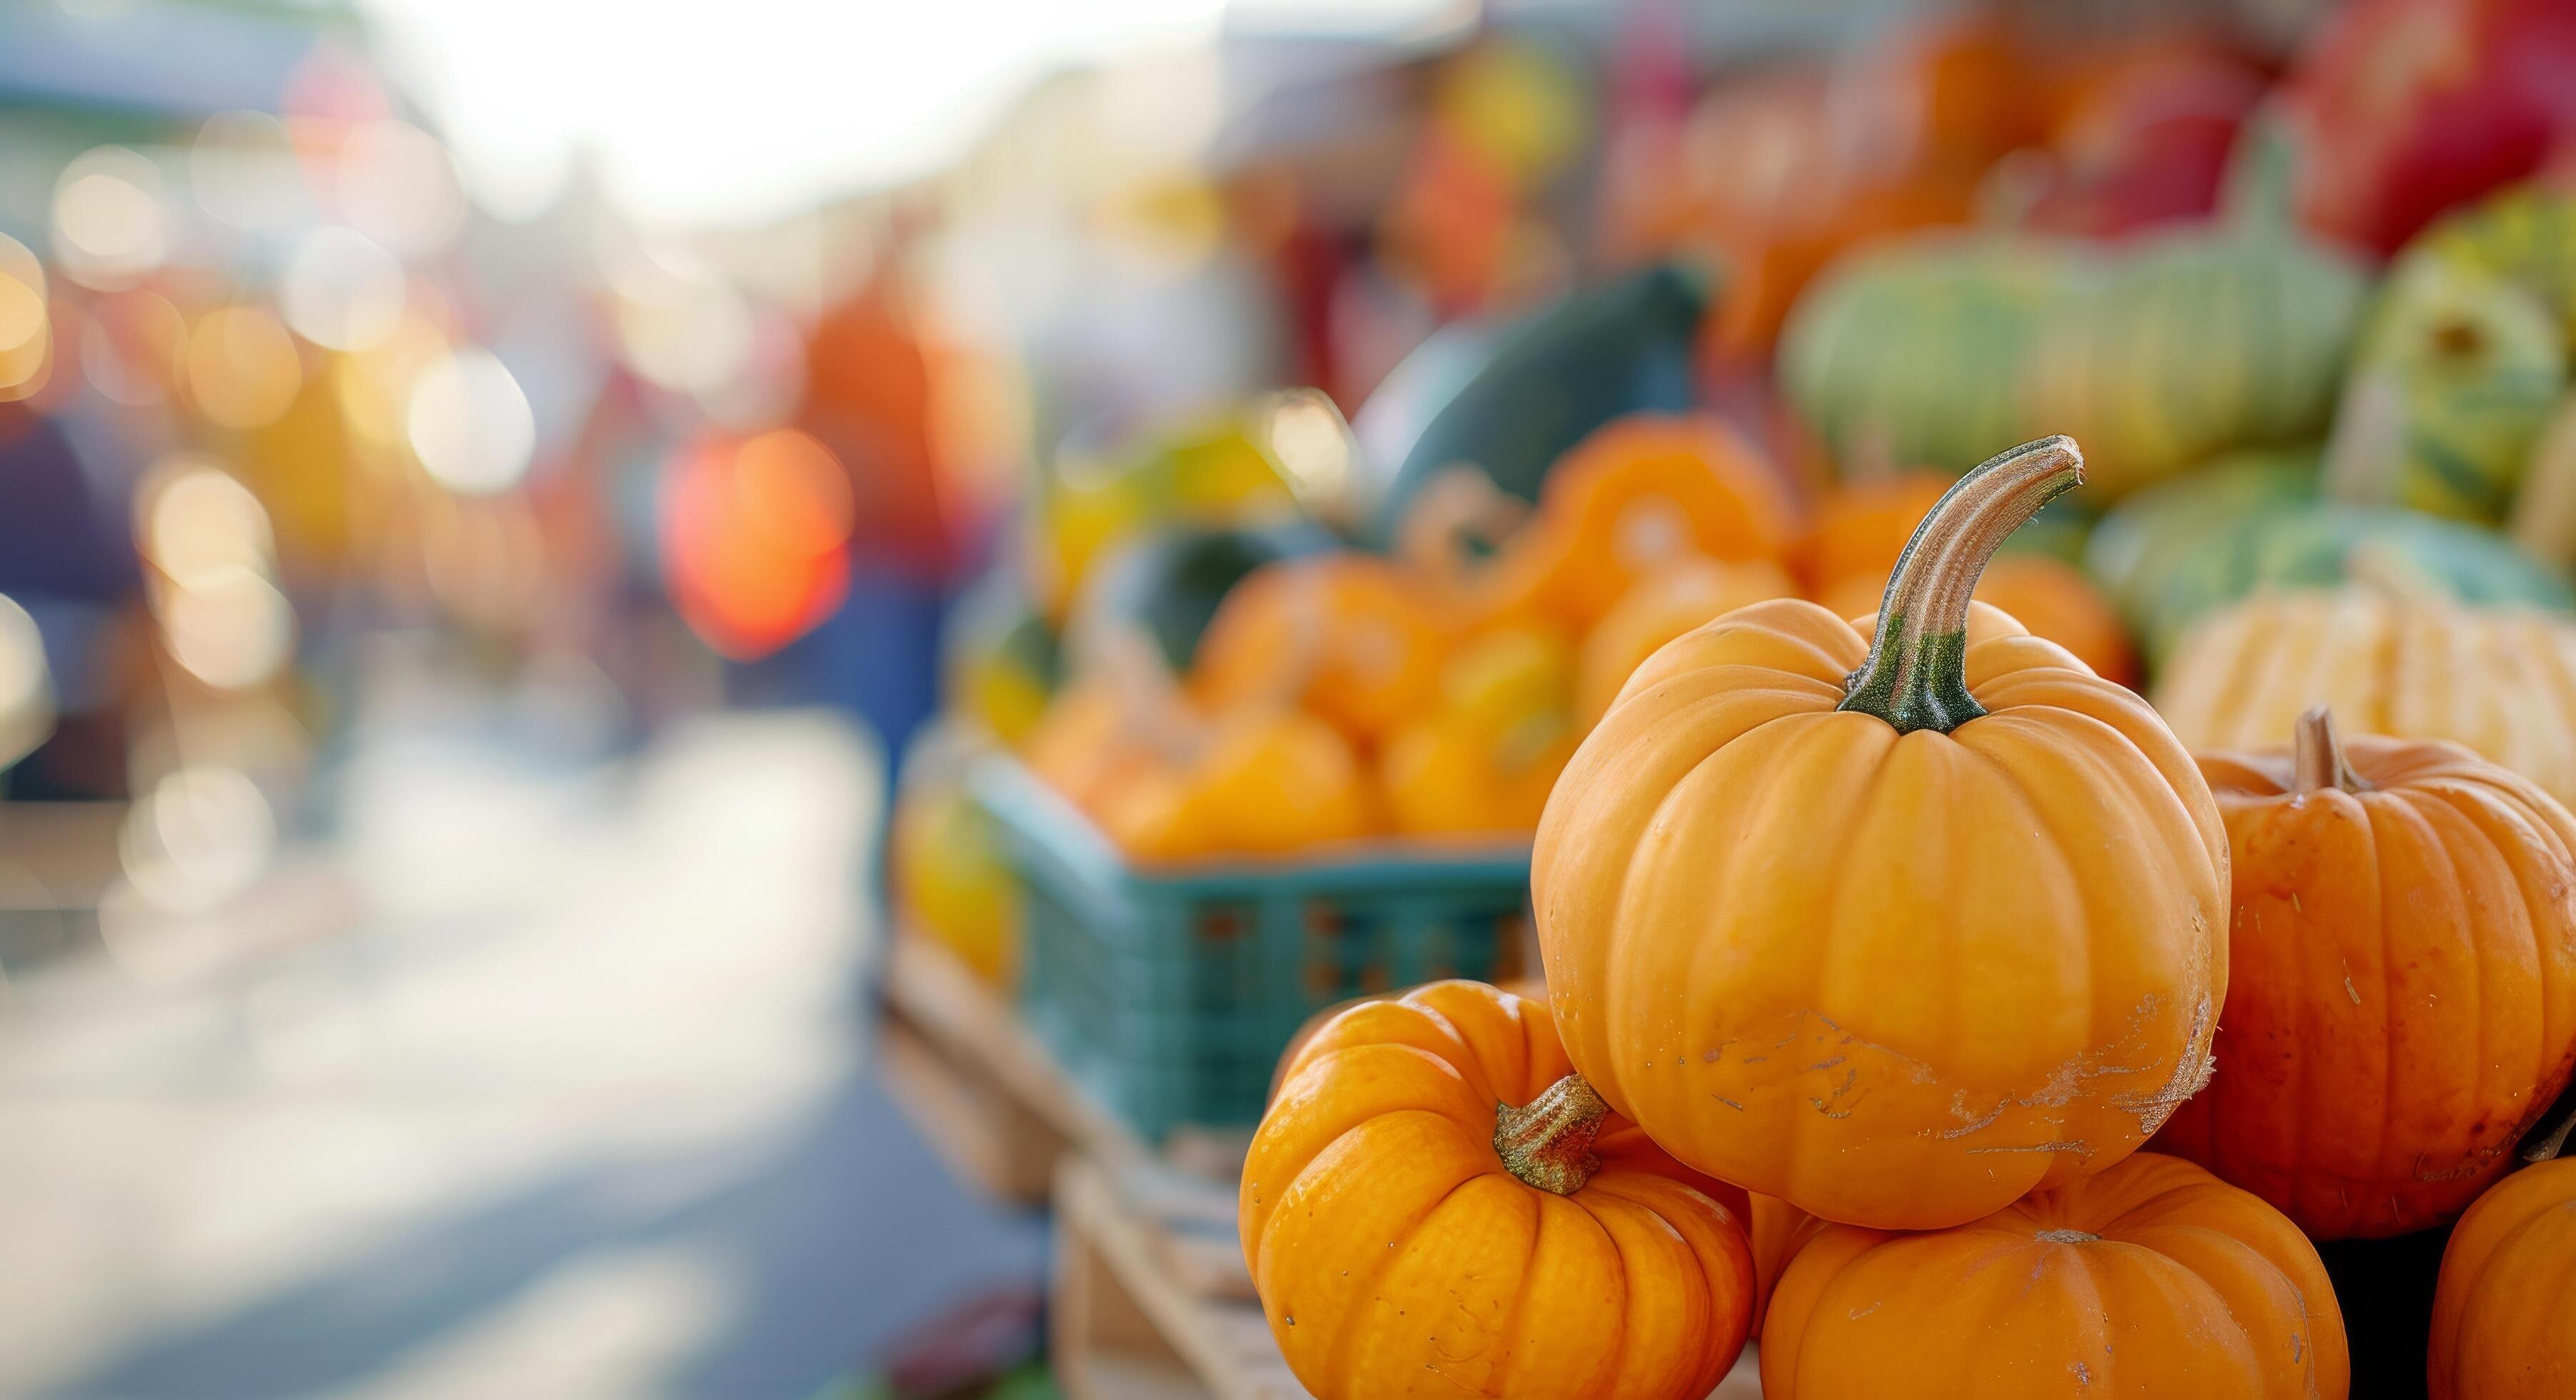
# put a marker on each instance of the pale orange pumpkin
(1898, 929)
(2152, 1280)
(2504, 1315)
(2500, 679)
(1435, 1206)
(1661, 607)
(2402, 979)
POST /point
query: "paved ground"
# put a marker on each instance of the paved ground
(538, 1083)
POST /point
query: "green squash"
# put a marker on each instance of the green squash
(2464, 360)
(2156, 354)
(1913, 353)
(1624, 347)
(2138, 543)
(2323, 543)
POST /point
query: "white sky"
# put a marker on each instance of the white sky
(728, 111)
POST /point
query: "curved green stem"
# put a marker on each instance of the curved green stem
(1916, 676)
(1547, 1142)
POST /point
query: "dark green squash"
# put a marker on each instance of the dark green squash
(1624, 347)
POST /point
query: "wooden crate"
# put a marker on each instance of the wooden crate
(1151, 1298)
(987, 1094)
(1125, 1319)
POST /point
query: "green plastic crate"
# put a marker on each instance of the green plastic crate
(1170, 993)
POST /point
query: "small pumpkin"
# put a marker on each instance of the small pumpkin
(2051, 597)
(1896, 924)
(1268, 781)
(2504, 1315)
(1640, 495)
(1484, 761)
(1435, 1205)
(2152, 1279)
(2401, 974)
(1660, 608)
(1353, 637)
(2499, 679)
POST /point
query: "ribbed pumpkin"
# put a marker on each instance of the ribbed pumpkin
(2152, 1280)
(1434, 1206)
(2501, 680)
(2401, 979)
(1353, 637)
(1897, 929)
(1639, 495)
(1660, 608)
(2504, 1317)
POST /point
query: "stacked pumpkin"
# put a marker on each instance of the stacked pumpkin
(1440, 689)
(1917, 929)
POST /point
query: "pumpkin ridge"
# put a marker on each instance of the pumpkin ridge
(1373, 1277)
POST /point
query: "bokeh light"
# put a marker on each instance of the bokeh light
(1312, 443)
(397, 186)
(678, 324)
(198, 839)
(342, 290)
(243, 369)
(243, 171)
(756, 536)
(469, 423)
(199, 524)
(232, 630)
(109, 226)
(26, 325)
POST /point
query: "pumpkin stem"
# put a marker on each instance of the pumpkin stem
(1547, 1142)
(1916, 676)
(2317, 759)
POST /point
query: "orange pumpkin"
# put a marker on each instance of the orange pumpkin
(2148, 1281)
(2504, 1315)
(1354, 638)
(1897, 926)
(1261, 782)
(1435, 1206)
(1780, 1230)
(1660, 608)
(1485, 761)
(2051, 597)
(2402, 974)
(1639, 495)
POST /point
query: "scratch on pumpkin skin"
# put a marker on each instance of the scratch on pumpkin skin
(2081, 1149)
(1730, 1103)
(2348, 987)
